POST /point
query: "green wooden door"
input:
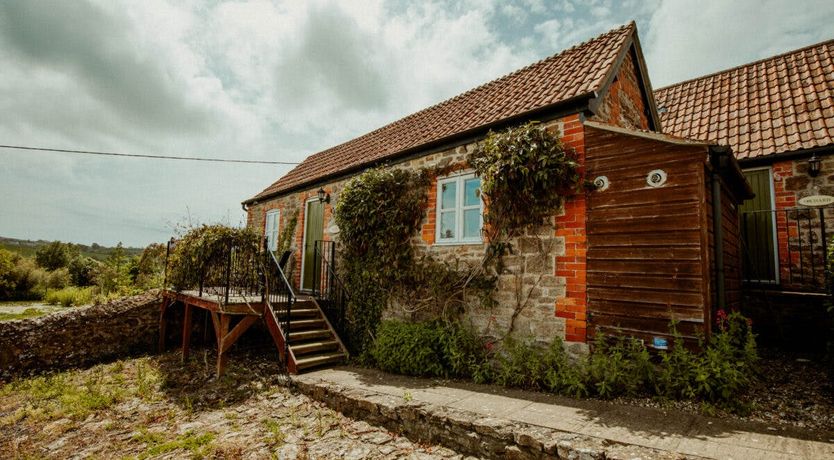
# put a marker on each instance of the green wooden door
(313, 231)
(758, 229)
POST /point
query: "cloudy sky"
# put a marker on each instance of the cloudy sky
(278, 81)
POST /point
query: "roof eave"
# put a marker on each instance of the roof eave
(789, 155)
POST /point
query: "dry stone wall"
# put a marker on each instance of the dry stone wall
(80, 336)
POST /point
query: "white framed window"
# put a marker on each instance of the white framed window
(271, 229)
(459, 209)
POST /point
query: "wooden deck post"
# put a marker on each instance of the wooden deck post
(163, 323)
(186, 332)
(229, 338)
(222, 358)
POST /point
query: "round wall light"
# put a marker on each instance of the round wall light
(602, 183)
(656, 178)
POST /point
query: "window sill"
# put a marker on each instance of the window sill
(457, 243)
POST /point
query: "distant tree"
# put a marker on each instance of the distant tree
(55, 255)
(30, 280)
(8, 281)
(114, 273)
(150, 266)
(82, 271)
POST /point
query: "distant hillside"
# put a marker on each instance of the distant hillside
(27, 248)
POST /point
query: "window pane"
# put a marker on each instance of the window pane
(447, 225)
(472, 194)
(472, 223)
(448, 193)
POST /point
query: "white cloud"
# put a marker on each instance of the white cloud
(280, 80)
(686, 39)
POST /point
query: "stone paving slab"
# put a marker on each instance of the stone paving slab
(669, 434)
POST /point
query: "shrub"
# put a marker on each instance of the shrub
(433, 349)
(618, 366)
(70, 296)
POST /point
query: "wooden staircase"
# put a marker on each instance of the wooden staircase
(312, 340)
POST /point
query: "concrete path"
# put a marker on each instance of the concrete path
(669, 431)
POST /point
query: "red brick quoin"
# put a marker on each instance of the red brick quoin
(572, 265)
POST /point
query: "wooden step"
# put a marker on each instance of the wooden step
(318, 360)
(302, 324)
(313, 347)
(301, 336)
(301, 312)
(305, 304)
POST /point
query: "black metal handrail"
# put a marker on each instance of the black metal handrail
(327, 287)
(278, 296)
(788, 245)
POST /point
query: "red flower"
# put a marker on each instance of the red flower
(721, 318)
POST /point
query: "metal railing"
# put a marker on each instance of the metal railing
(327, 287)
(786, 247)
(278, 296)
(231, 272)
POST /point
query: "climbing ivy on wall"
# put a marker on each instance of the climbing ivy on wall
(526, 174)
(378, 213)
(286, 235)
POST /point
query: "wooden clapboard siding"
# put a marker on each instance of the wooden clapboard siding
(647, 248)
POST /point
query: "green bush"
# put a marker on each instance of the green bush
(619, 366)
(429, 349)
(70, 296)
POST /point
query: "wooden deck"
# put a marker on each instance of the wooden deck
(230, 319)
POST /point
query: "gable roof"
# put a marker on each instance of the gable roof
(573, 76)
(780, 104)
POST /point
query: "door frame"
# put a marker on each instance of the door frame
(776, 267)
(304, 240)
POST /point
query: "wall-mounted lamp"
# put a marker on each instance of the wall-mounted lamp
(324, 197)
(814, 166)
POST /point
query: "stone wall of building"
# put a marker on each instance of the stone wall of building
(80, 336)
(541, 289)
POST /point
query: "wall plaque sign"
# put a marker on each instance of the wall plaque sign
(660, 343)
(816, 200)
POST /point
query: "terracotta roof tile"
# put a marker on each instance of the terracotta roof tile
(574, 72)
(775, 105)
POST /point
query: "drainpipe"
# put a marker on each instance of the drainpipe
(718, 233)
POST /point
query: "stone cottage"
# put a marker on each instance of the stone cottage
(646, 246)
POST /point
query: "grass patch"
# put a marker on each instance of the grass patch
(76, 395)
(199, 445)
(25, 314)
(70, 296)
(275, 435)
